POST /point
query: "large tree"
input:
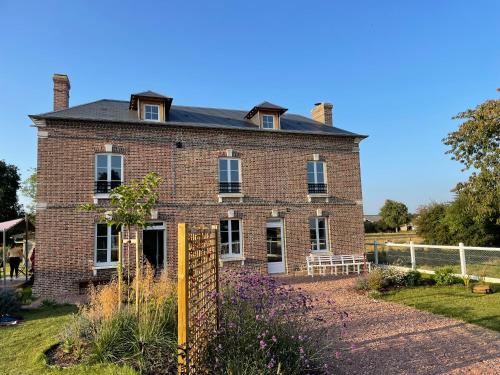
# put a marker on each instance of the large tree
(476, 145)
(28, 189)
(394, 214)
(9, 184)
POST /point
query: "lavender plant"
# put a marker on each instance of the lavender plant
(267, 327)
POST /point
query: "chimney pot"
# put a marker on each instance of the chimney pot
(323, 112)
(61, 91)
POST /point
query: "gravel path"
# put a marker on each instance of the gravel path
(389, 338)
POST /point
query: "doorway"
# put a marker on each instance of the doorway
(275, 246)
(153, 245)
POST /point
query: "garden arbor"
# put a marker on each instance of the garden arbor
(15, 225)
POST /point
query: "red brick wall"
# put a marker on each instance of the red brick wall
(274, 176)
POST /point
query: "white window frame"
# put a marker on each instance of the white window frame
(229, 169)
(109, 243)
(315, 172)
(109, 156)
(145, 111)
(230, 254)
(327, 240)
(263, 122)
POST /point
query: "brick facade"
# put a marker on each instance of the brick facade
(273, 175)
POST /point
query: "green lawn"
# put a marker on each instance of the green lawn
(452, 301)
(22, 347)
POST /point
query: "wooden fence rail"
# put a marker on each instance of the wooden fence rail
(198, 288)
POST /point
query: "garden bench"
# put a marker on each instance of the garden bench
(346, 263)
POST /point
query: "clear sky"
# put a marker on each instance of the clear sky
(395, 70)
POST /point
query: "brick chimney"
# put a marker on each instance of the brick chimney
(322, 112)
(61, 91)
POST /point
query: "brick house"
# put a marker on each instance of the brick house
(279, 185)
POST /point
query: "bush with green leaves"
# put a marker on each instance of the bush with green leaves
(9, 302)
(412, 278)
(445, 276)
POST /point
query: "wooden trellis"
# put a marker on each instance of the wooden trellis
(198, 286)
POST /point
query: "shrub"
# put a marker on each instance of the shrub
(376, 279)
(9, 302)
(146, 341)
(412, 278)
(444, 276)
(266, 328)
(362, 283)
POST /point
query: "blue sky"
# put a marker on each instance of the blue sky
(395, 70)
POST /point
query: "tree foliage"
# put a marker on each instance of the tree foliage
(130, 204)
(476, 145)
(9, 184)
(28, 189)
(394, 214)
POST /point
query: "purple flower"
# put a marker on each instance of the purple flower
(262, 344)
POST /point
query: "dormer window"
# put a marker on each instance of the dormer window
(151, 112)
(267, 121)
(266, 115)
(150, 106)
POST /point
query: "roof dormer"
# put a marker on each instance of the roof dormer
(266, 115)
(150, 106)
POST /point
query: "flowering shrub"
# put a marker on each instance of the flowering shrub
(266, 327)
(445, 276)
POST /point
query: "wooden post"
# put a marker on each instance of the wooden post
(182, 295)
(375, 251)
(119, 269)
(137, 274)
(26, 250)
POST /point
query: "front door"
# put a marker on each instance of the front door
(275, 246)
(153, 245)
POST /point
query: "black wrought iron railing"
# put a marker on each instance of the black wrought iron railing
(229, 187)
(104, 187)
(316, 188)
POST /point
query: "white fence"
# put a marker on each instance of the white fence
(474, 262)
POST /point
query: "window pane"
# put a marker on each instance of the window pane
(224, 237)
(102, 243)
(116, 175)
(235, 176)
(235, 247)
(224, 248)
(114, 255)
(235, 225)
(224, 225)
(115, 229)
(116, 162)
(223, 170)
(102, 174)
(102, 161)
(102, 256)
(310, 167)
(320, 176)
(102, 230)
(154, 110)
(234, 165)
(235, 235)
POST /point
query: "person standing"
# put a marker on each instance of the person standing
(15, 256)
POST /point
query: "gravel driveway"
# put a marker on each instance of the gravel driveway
(389, 338)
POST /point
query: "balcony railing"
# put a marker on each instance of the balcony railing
(316, 188)
(229, 187)
(104, 187)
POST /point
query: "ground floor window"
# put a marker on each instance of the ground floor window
(318, 234)
(106, 244)
(230, 238)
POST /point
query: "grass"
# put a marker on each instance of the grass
(452, 301)
(23, 346)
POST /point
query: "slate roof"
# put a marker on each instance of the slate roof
(107, 110)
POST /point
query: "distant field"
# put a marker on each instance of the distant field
(401, 237)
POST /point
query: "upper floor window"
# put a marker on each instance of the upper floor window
(230, 238)
(108, 172)
(229, 175)
(106, 244)
(318, 236)
(151, 112)
(316, 181)
(268, 121)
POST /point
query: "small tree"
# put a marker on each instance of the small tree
(9, 184)
(394, 214)
(28, 189)
(130, 206)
